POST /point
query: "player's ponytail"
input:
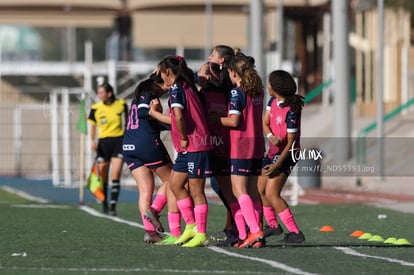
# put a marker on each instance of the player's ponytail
(283, 83)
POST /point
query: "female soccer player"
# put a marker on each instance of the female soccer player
(145, 154)
(284, 136)
(191, 139)
(216, 102)
(247, 147)
(106, 115)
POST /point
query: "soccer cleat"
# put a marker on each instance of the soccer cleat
(112, 213)
(238, 243)
(152, 216)
(251, 239)
(200, 239)
(219, 236)
(292, 237)
(260, 243)
(189, 232)
(230, 241)
(167, 240)
(272, 231)
(151, 236)
(227, 233)
(105, 208)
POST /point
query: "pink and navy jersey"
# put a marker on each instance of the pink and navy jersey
(246, 140)
(142, 132)
(216, 106)
(282, 122)
(182, 96)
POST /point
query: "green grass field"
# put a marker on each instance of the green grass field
(65, 239)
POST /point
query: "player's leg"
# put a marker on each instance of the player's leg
(274, 188)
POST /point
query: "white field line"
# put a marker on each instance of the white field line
(23, 194)
(213, 248)
(95, 213)
(274, 264)
(50, 206)
(130, 270)
(352, 252)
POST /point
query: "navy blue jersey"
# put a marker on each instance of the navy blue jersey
(142, 131)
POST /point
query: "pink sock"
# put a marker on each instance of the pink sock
(288, 220)
(174, 223)
(270, 216)
(186, 208)
(200, 213)
(246, 206)
(159, 202)
(147, 224)
(238, 220)
(258, 210)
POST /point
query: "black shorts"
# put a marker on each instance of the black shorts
(286, 167)
(109, 148)
(220, 166)
(195, 164)
(246, 167)
(157, 158)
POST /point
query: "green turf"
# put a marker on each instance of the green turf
(67, 240)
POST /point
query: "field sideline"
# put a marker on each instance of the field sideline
(42, 238)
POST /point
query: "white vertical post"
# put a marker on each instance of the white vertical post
(342, 115)
(179, 50)
(88, 88)
(55, 137)
(17, 133)
(380, 90)
(112, 74)
(67, 160)
(326, 57)
(256, 34)
(209, 28)
(279, 27)
(81, 159)
(87, 84)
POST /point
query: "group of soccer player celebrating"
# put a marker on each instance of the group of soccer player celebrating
(218, 127)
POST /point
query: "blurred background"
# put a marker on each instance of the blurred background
(353, 61)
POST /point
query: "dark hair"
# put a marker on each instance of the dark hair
(251, 82)
(283, 84)
(179, 67)
(108, 89)
(225, 52)
(150, 85)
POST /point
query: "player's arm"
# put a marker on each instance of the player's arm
(156, 114)
(267, 131)
(125, 116)
(231, 120)
(269, 169)
(92, 135)
(92, 129)
(237, 102)
(179, 120)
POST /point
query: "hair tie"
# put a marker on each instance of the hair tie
(178, 57)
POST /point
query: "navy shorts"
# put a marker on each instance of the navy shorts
(195, 164)
(220, 166)
(286, 167)
(152, 160)
(246, 167)
(109, 148)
